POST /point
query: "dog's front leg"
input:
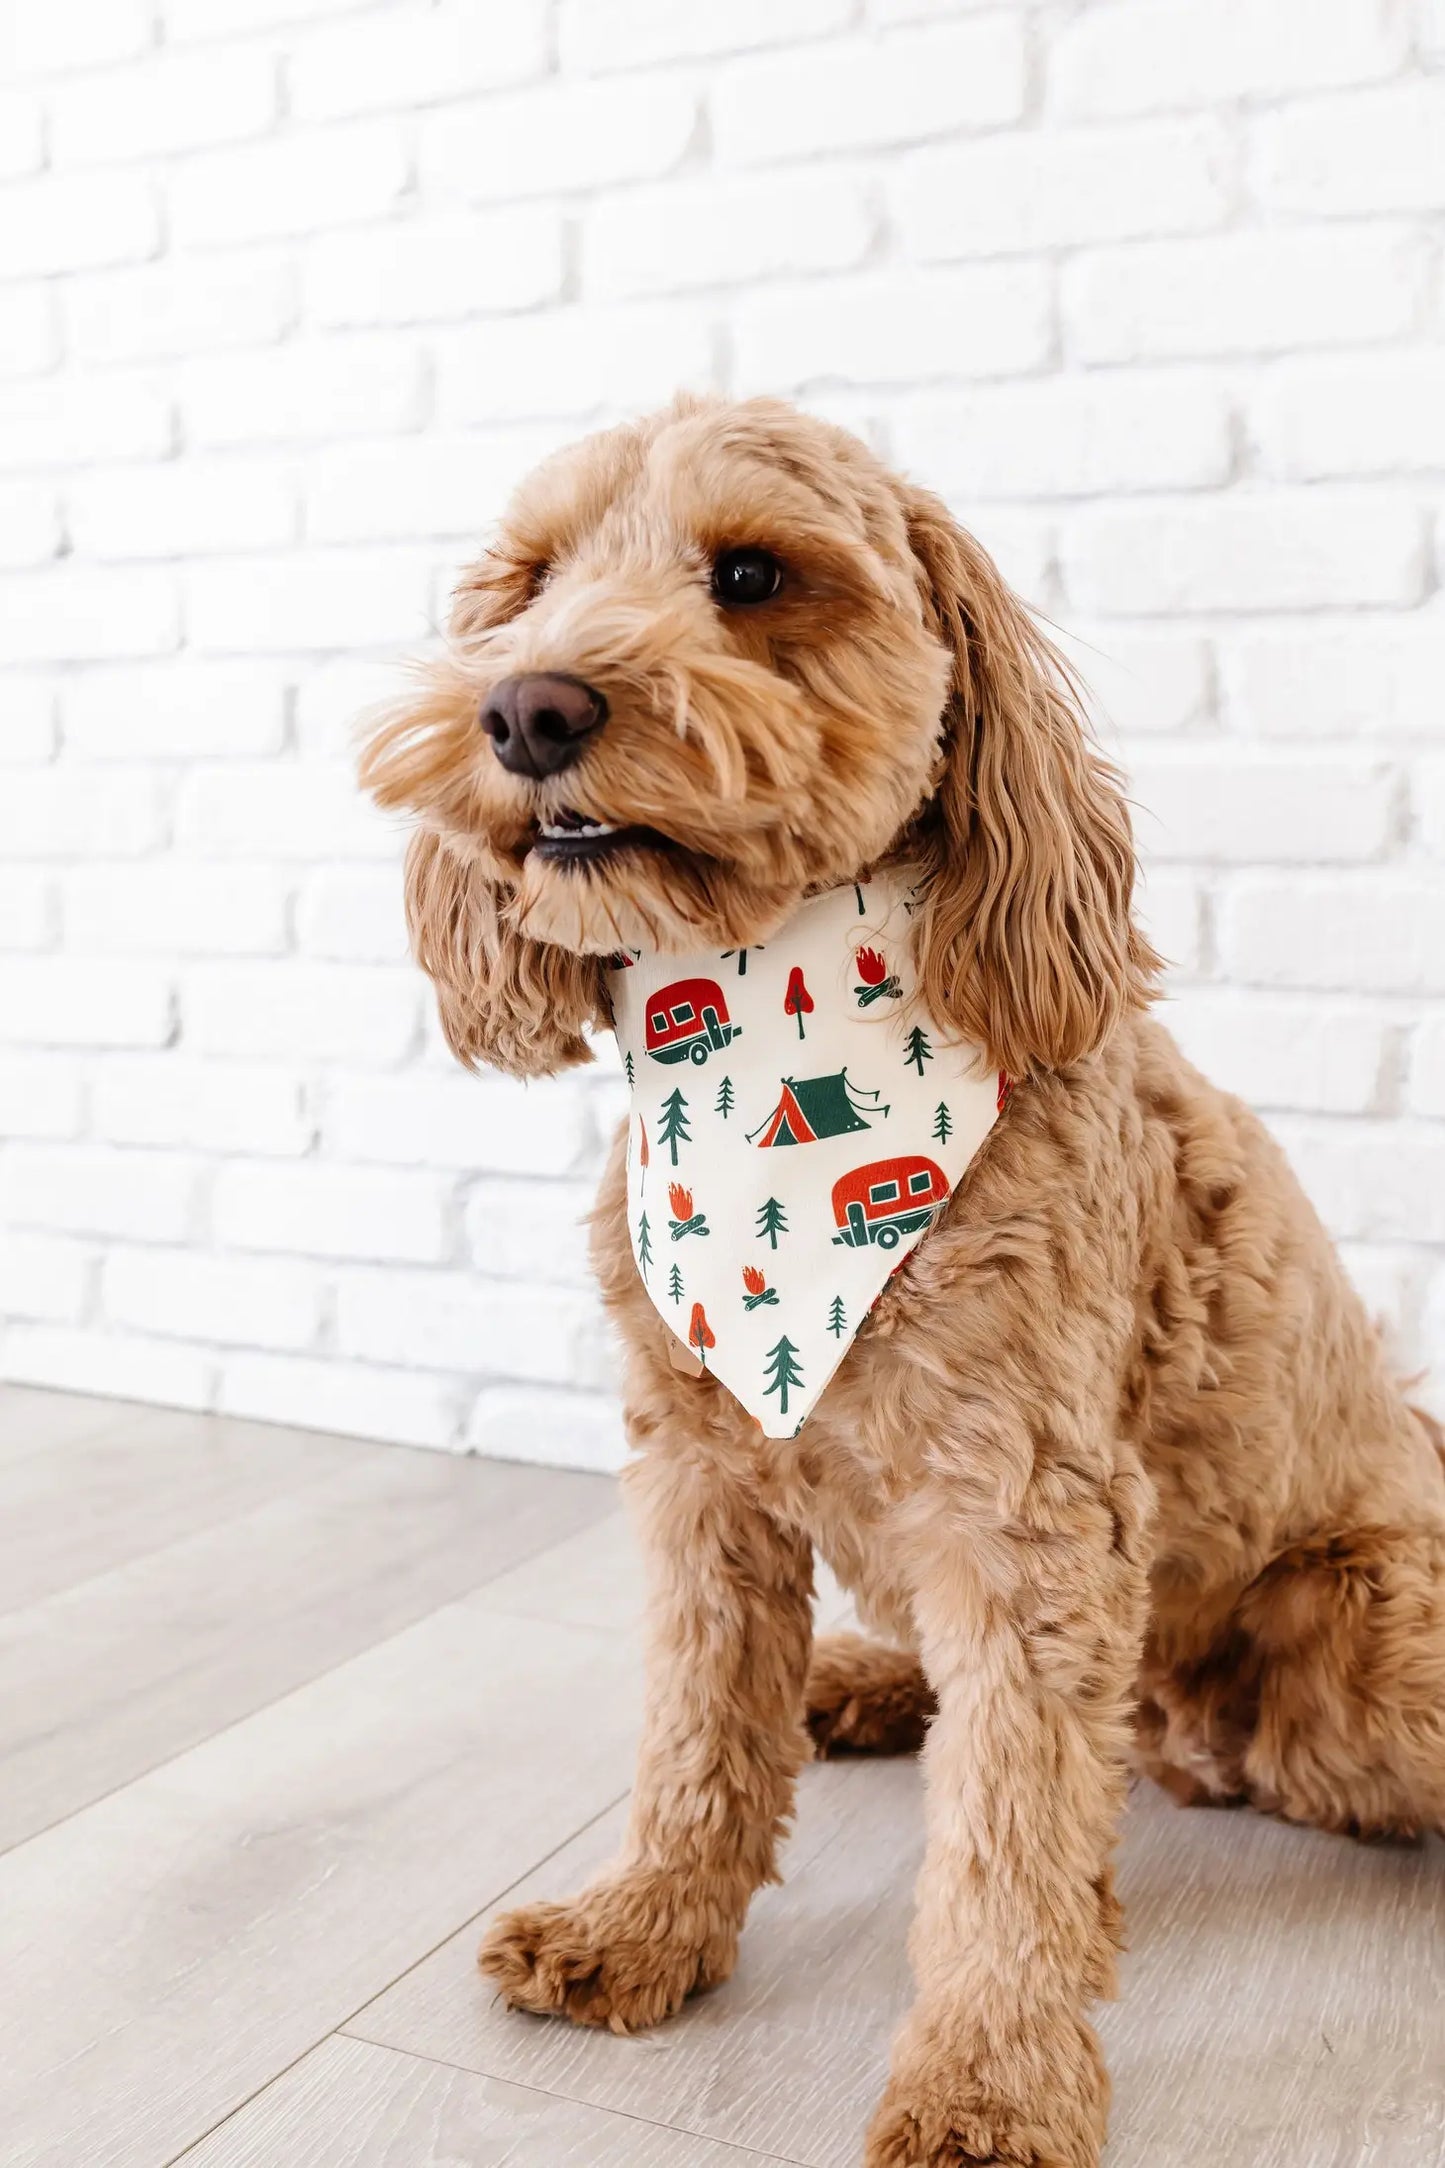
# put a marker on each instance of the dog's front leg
(729, 1629)
(1030, 1622)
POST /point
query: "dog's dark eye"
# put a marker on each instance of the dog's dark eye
(746, 576)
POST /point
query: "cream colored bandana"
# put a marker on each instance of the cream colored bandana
(797, 1125)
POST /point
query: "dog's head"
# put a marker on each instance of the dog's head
(715, 662)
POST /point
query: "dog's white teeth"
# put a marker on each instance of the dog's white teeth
(559, 832)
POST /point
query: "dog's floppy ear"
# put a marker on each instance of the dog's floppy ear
(519, 1004)
(1025, 936)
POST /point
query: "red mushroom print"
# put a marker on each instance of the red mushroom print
(797, 1001)
(700, 1334)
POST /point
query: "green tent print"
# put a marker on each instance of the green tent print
(817, 1106)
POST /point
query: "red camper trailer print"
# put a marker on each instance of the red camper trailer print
(886, 1200)
(687, 1021)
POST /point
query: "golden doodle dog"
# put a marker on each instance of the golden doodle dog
(1115, 1467)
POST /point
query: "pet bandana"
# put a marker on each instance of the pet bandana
(797, 1125)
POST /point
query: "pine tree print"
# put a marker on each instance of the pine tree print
(674, 1283)
(701, 1335)
(837, 1320)
(742, 956)
(942, 1123)
(797, 1001)
(672, 1130)
(784, 1372)
(918, 1049)
(644, 1246)
(772, 1220)
(723, 1104)
(631, 1074)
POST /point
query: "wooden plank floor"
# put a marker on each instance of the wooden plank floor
(282, 1718)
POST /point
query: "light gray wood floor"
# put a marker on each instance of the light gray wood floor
(282, 1717)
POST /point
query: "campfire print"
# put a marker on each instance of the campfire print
(879, 983)
(684, 1220)
(758, 1290)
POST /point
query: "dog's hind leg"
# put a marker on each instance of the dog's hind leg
(1347, 1638)
(866, 1698)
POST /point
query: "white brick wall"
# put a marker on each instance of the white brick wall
(292, 290)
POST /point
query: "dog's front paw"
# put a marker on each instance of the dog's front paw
(625, 1954)
(1004, 2111)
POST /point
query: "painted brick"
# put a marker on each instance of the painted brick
(44, 1276)
(1137, 58)
(357, 1399)
(556, 1428)
(175, 102)
(123, 1366)
(76, 812)
(1427, 1068)
(440, 484)
(304, 1012)
(352, 914)
(1379, 150)
(605, 35)
(895, 327)
(1247, 551)
(1371, 1181)
(22, 134)
(77, 1001)
(187, 508)
(1377, 932)
(186, 1295)
(1285, 1052)
(41, 1095)
(415, 56)
(170, 907)
(331, 1211)
(76, 34)
(572, 362)
(28, 914)
(526, 1230)
(184, 305)
(76, 222)
(1064, 437)
(1250, 292)
(866, 94)
(487, 1123)
(294, 810)
(1362, 679)
(146, 1196)
(1096, 184)
(28, 342)
(27, 719)
(68, 423)
(725, 232)
(345, 599)
(179, 711)
(1248, 807)
(208, 1106)
(457, 1321)
(1355, 416)
(74, 614)
(29, 523)
(432, 269)
(595, 134)
(282, 187)
(333, 388)
(1171, 910)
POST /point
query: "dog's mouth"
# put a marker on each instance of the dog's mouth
(567, 837)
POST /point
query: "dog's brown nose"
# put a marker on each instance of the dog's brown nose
(537, 723)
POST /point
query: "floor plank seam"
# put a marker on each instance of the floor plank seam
(368, 1648)
(574, 2100)
(345, 2028)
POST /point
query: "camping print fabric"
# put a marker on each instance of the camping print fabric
(797, 1125)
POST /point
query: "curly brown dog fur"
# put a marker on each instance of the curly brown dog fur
(1116, 1464)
